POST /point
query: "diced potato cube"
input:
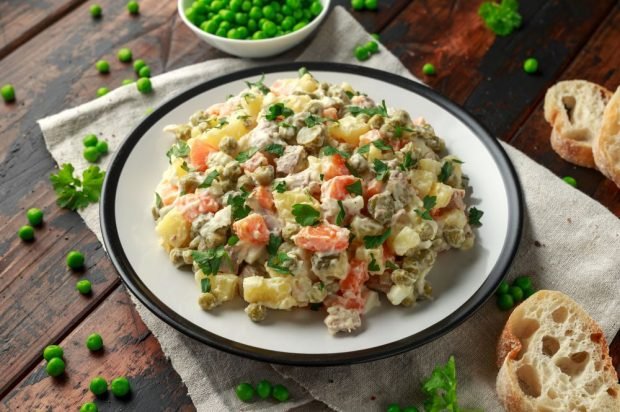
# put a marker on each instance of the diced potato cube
(235, 128)
(398, 293)
(374, 153)
(284, 202)
(174, 230)
(274, 293)
(406, 240)
(443, 193)
(372, 301)
(422, 181)
(348, 129)
(454, 218)
(430, 165)
(252, 103)
(361, 253)
(307, 83)
(224, 286)
(297, 103)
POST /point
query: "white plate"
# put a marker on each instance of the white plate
(461, 281)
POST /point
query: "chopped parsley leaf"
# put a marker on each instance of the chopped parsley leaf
(341, 214)
(408, 162)
(391, 265)
(222, 122)
(232, 240)
(280, 187)
(276, 263)
(243, 117)
(184, 166)
(209, 261)
(205, 285)
(246, 155)
(209, 179)
(349, 94)
(380, 110)
(313, 120)
(274, 244)
(373, 266)
(179, 149)
(429, 203)
(446, 172)
(275, 149)
(158, 202)
(398, 130)
(474, 216)
(238, 206)
(276, 110)
(364, 149)
(259, 85)
(355, 188)
(373, 242)
(381, 145)
(305, 215)
(381, 169)
(330, 150)
(73, 193)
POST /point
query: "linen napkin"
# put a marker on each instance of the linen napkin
(570, 243)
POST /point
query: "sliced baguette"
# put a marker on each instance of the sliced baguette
(554, 357)
(606, 147)
(574, 109)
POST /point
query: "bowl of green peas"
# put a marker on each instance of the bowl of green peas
(253, 28)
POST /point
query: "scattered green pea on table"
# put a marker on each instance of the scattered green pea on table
(133, 7)
(102, 66)
(34, 216)
(26, 233)
(84, 287)
(89, 407)
(98, 386)
(94, 342)
(429, 69)
(102, 91)
(120, 387)
(55, 367)
(570, 180)
(124, 55)
(145, 71)
(264, 389)
(138, 64)
(52, 351)
(90, 140)
(96, 11)
(245, 392)
(75, 260)
(144, 85)
(530, 65)
(8, 93)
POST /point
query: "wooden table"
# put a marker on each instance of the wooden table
(48, 49)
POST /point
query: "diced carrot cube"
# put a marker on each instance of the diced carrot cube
(336, 166)
(264, 197)
(323, 238)
(199, 153)
(336, 188)
(252, 229)
(254, 162)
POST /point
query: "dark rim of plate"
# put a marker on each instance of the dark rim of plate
(152, 302)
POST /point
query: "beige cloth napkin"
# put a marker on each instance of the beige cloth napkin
(578, 253)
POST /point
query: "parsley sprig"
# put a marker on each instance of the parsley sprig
(381, 110)
(276, 110)
(73, 193)
(474, 216)
(274, 244)
(313, 120)
(213, 175)
(277, 263)
(501, 18)
(179, 149)
(355, 188)
(381, 169)
(446, 172)
(246, 155)
(330, 150)
(259, 85)
(373, 242)
(205, 285)
(429, 202)
(238, 206)
(342, 214)
(275, 149)
(440, 388)
(408, 162)
(210, 260)
(305, 215)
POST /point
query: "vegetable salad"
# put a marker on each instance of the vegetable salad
(312, 195)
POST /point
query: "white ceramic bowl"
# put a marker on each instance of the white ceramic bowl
(254, 48)
(461, 281)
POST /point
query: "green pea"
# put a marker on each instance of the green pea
(8, 93)
(102, 91)
(393, 408)
(246, 6)
(218, 19)
(361, 53)
(279, 17)
(98, 386)
(307, 14)
(94, 342)
(217, 5)
(95, 11)
(505, 301)
(255, 13)
(242, 32)
(75, 260)
(570, 180)
(232, 34)
(527, 292)
(371, 4)
(221, 32)
(52, 351)
(91, 154)
(357, 4)
(90, 140)
(34, 216)
(287, 10)
(523, 282)
(225, 25)
(429, 69)
(530, 65)
(89, 407)
(288, 23)
(133, 7)
(258, 35)
(245, 392)
(102, 147)
(269, 12)
(264, 388)
(55, 367)
(241, 19)
(258, 3)
(138, 64)
(299, 25)
(252, 25)
(294, 4)
(410, 409)
(503, 288)
(227, 15)
(125, 82)
(120, 387)
(517, 293)
(269, 28)
(298, 14)
(26, 233)
(103, 66)
(280, 393)
(316, 8)
(144, 85)
(372, 46)
(84, 287)
(375, 36)
(124, 55)
(145, 72)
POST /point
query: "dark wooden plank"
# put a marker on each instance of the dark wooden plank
(598, 62)
(129, 350)
(21, 20)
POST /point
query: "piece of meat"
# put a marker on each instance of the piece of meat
(291, 161)
(340, 319)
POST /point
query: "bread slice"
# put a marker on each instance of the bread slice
(554, 357)
(606, 147)
(574, 109)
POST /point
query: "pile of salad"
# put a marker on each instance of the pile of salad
(305, 194)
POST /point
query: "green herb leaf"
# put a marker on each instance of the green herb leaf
(238, 206)
(276, 263)
(205, 285)
(233, 240)
(179, 149)
(211, 176)
(274, 244)
(380, 110)
(158, 202)
(408, 162)
(276, 110)
(259, 85)
(280, 187)
(429, 203)
(313, 120)
(73, 193)
(355, 188)
(398, 130)
(502, 18)
(364, 149)
(381, 169)
(373, 242)
(440, 388)
(381, 145)
(209, 261)
(349, 94)
(305, 215)
(341, 214)
(330, 150)
(391, 265)
(246, 155)
(373, 266)
(303, 71)
(474, 216)
(446, 172)
(222, 122)
(275, 149)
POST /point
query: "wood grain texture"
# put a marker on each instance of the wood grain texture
(130, 350)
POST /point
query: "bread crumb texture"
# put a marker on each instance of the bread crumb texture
(554, 357)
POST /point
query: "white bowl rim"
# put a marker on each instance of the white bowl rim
(308, 27)
(154, 304)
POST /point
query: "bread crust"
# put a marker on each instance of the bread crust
(509, 349)
(606, 147)
(573, 151)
